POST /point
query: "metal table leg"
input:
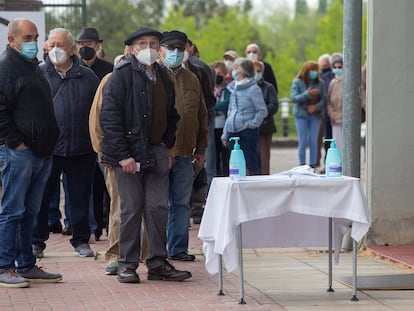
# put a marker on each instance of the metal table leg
(220, 276)
(354, 270)
(330, 289)
(241, 278)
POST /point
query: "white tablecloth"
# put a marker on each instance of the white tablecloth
(267, 206)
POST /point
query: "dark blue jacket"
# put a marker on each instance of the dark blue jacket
(72, 105)
(26, 107)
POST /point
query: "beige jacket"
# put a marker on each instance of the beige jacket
(95, 130)
(334, 101)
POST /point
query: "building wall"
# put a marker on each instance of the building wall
(390, 121)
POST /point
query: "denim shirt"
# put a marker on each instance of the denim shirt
(299, 95)
(247, 108)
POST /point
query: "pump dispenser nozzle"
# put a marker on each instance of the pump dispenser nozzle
(236, 142)
(333, 163)
(333, 142)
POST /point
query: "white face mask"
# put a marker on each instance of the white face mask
(229, 64)
(147, 56)
(252, 56)
(186, 55)
(57, 56)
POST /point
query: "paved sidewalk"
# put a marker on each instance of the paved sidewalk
(275, 279)
(86, 287)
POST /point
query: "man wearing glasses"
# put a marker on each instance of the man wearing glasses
(139, 120)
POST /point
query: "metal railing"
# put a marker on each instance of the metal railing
(70, 14)
(285, 122)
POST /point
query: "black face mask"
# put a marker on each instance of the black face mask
(325, 70)
(219, 79)
(87, 53)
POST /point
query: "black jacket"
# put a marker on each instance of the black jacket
(126, 114)
(269, 75)
(272, 104)
(100, 67)
(205, 83)
(26, 105)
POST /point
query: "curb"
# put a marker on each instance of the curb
(285, 142)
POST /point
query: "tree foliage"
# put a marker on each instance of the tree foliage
(301, 8)
(287, 38)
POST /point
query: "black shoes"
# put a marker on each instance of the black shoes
(182, 257)
(55, 228)
(37, 251)
(67, 230)
(167, 272)
(128, 275)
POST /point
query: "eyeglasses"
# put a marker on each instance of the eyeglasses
(173, 47)
(142, 44)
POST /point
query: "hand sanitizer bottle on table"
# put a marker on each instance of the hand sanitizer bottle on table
(333, 163)
(237, 163)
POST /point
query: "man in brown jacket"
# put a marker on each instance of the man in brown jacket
(191, 142)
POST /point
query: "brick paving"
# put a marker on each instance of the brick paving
(86, 287)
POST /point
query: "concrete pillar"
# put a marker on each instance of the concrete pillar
(390, 121)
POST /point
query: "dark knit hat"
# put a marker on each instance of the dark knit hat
(89, 34)
(140, 33)
(174, 37)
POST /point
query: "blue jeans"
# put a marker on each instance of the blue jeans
(24, 177)
(249, 143)
(308, 132)
(210, 156)
(79, 172)
(179, 209)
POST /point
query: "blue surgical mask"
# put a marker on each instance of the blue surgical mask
(234, 74)
(173, 58)
(313, 75)
(339, 72)
(258, 76)
(29, 50)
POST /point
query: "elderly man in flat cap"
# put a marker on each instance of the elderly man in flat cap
(190, 145)
(139, 120)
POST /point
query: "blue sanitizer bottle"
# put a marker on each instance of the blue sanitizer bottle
(237, 163)
(333, 163)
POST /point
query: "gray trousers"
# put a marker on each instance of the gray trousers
(144, 193)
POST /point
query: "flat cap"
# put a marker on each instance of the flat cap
(231, 53)
(174, 37)
(89, 34)
(140, 33)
